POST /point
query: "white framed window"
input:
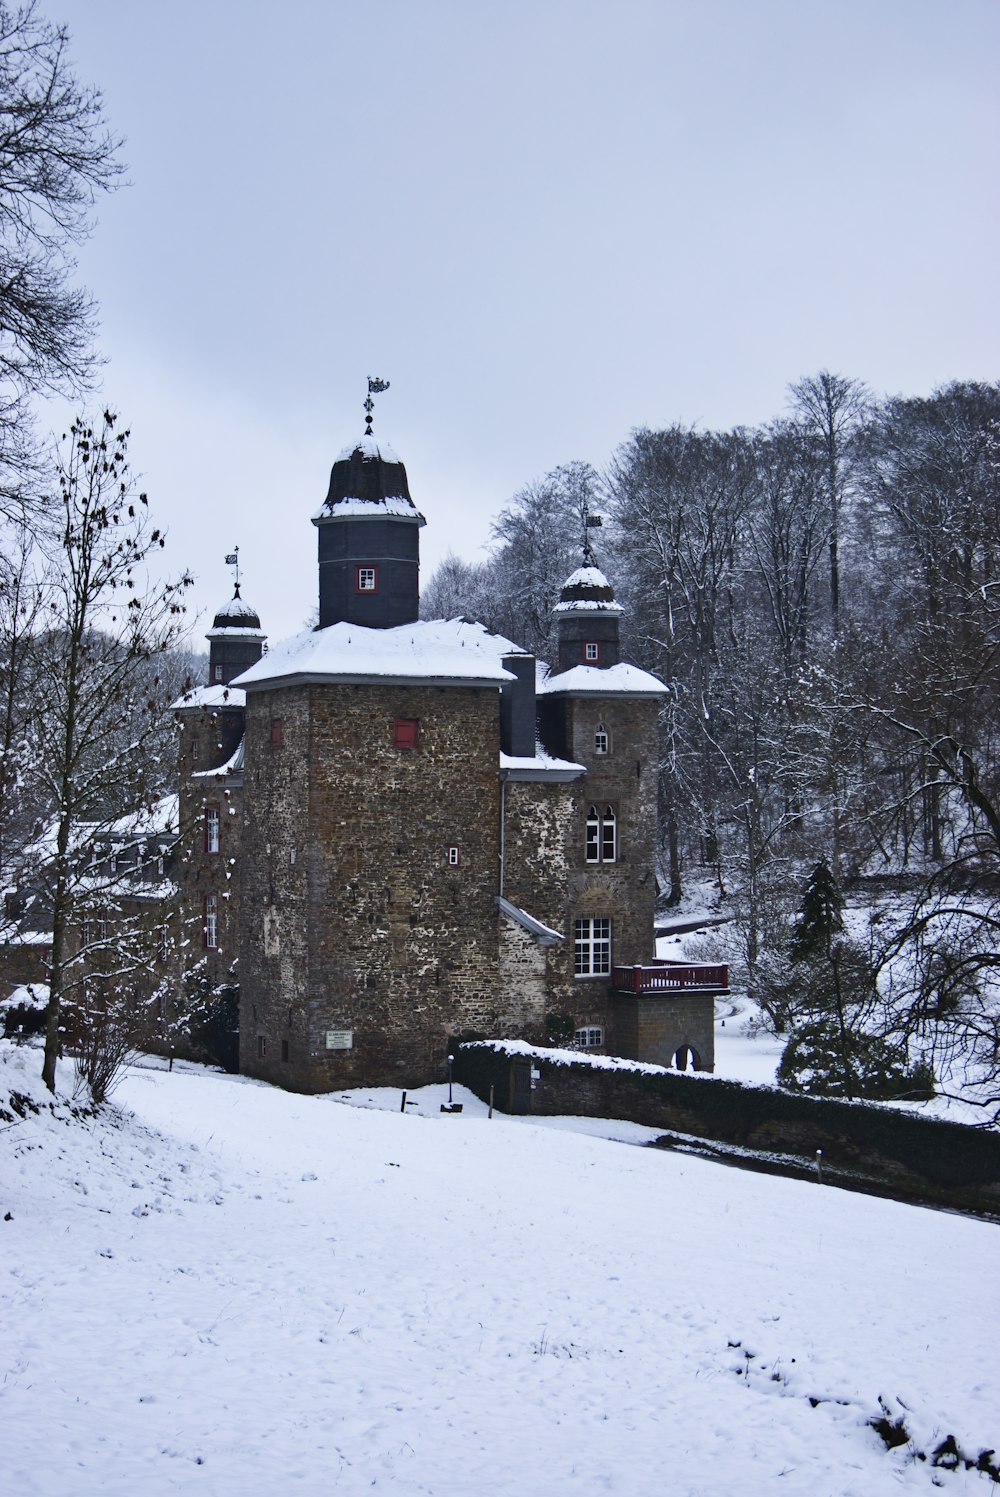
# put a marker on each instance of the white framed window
(591, 652)
(212, 824)
(366, 579)
(592, 946)
(454, 857)
(602, 834)
(211, 924)
(590, 1039)
(217, 673)
(602, 740)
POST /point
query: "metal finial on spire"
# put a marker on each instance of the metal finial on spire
(233, 560)
(375, 387)
(590, 522)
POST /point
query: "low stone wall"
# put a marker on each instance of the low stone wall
(949, 1162)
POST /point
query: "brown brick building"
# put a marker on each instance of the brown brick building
(412, 832)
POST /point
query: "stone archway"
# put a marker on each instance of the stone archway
(686, 1055)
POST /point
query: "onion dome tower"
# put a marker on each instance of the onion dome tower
(369, 537)
(587, 620)
(236, 641)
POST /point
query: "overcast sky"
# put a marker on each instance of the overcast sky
(544, 221)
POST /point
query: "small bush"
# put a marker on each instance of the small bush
(820, 1059)
(22, 1020)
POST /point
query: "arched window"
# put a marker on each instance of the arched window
(602, 740)
(602, 834)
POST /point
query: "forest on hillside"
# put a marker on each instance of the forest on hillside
(821, 595)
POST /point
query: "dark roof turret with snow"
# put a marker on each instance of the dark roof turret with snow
(236, 640)
(369, 544)
(587, 621)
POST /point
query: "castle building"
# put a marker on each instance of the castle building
(211, 723)
(408, 832)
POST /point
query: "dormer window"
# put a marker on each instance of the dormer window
(591, 652)
(366, 579)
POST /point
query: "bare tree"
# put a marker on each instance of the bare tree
(831, 407)
(107, 619)
(56, 156)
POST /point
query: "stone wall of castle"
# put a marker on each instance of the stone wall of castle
(370, 870)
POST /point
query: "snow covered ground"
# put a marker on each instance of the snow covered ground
(222, 1288)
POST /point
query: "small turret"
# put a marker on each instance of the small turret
(236, 641)
(587, 621)
(369, 541)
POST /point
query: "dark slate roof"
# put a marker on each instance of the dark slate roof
(236, 614)
(370, 471)
(587, 589)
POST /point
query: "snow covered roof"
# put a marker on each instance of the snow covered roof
(159, 820)
(436, 652)
(233, 765)
(368, 482)
(589, 605)
(587, 590)
(542, 767)
(236, 617)
(592, 681)
(355, 508)
(369, 447)
(544, 934)
(210, 696)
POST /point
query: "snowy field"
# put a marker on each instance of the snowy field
(221, 1288)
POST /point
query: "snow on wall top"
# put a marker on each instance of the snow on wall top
(210, 696)
(434, 652)
(541, 760)
(591, 680)
(572, 1057)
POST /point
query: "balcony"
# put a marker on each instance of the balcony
(671, 977)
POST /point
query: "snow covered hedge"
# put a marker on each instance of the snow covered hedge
(948, 1159)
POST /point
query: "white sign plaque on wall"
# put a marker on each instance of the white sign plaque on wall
(340, 1039)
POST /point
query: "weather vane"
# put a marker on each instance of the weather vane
(590, 522)
(233, 560)
(375, 387)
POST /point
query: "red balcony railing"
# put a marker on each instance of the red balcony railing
(670, 977)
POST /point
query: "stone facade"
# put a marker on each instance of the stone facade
(396, 834)
(666, 1029)
(370, 927)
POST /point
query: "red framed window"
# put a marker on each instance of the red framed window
(591, 652)
(213, 826)
(210, 924)
(366, 578)
(277, 732)
(406, 732)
